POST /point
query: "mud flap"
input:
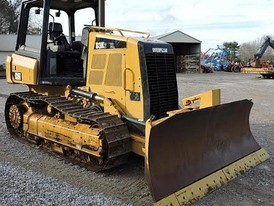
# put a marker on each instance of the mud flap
(189, 146)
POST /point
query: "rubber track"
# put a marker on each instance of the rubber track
(114, 130)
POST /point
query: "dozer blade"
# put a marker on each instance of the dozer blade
(192, 153)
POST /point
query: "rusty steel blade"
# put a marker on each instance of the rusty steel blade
(189, 146)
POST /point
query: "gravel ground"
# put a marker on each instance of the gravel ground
(31, 176)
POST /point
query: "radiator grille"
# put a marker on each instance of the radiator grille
(162, 84)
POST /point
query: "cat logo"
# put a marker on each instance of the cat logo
(17, 76)
(159, 50)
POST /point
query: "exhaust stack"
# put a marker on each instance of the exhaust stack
(101, 13)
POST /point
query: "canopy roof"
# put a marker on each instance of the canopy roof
(66, 5)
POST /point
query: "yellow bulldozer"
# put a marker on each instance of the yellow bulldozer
(113, 93)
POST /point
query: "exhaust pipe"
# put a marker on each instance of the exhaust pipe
(101, 13)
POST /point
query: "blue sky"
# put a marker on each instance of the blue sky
(211, 21)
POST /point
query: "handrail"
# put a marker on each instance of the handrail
(110, 30)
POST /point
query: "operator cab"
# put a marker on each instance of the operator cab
(50, 31)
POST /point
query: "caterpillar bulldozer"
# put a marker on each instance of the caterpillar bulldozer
(115, 93)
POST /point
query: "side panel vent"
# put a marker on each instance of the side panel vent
(96, 77)
(114, 70)
(98, 61)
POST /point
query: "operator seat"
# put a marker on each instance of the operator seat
(62, 60)
(57, 36)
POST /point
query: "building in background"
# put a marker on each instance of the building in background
(187, 50)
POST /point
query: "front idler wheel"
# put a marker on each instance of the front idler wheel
(14, 116)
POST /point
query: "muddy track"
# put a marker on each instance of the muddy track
(115, 132)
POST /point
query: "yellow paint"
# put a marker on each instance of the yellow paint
(138, 141)
(138, 144)
(73, 135)
(22, 70)
(111, 107)
(31, 122)
(203, 100)
(114, 73)
(262, 155)
(133, 81)
(255, 70)
(128, 80)
(171, 200)
(120, 31)
(57, 148)
(149, 125)
(48, 90)
(199, 189)
(8, 69)
(70, 118)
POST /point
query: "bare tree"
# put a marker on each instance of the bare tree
(35, 23)
(248, 49)
(3, 15)
(9, 16)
